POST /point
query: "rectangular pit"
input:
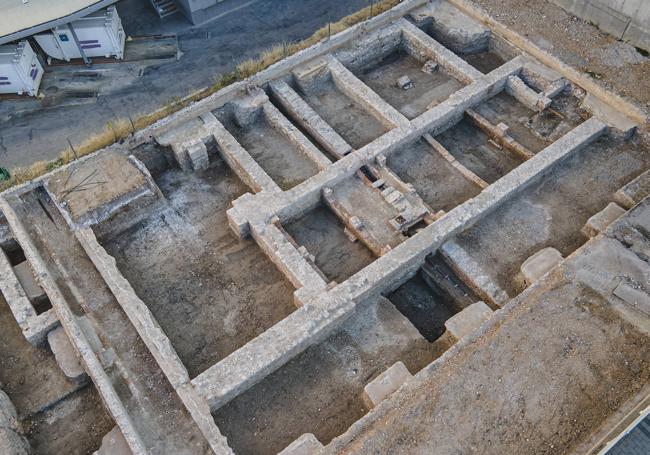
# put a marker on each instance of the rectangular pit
(210, 292)
(319, 391)
(323, 235)
(437, 182)
(428, 88)
(348, 118)
(272, 150)
(553, 211)
(431, 297)
(534, 130)
(477, 152)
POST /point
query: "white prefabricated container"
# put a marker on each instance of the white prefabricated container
(20, 70)
(100, 34)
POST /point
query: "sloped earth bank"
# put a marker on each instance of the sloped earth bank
(614, 64)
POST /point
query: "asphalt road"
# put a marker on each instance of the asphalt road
(243, 29)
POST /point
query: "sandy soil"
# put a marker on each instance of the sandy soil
(536, 383)
(616, 65)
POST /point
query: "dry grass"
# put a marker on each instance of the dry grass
(122, 128)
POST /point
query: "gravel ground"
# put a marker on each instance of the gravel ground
(618, 66)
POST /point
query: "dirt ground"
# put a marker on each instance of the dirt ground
(614, 64)
(319, 391)
(427, 90)
(485, 62)
(210, 292)
(100, 180)
(373, 210)
(552, 212)
(281, 160)
(471, 147)
(431, 297)
(57, 414)
(321, 232)
(437, 182)
(357, 126)
(537, 383)
(156, 411)
(73, 426)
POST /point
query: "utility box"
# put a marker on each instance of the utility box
(20, 70)
(100, 34)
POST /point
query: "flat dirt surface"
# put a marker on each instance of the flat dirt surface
(538, 381)
(322, 233)
(279, 158)
(427, 90)
(552, 212)
(320, 390)
(471, 147)
(437, 182)
(73, 426)
(356, 125)
(156, 411)
(28, 374)
(614, 64)
(210, 292)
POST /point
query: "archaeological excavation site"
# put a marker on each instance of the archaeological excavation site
(422, 235)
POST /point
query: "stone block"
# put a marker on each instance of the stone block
(429, 67)
(606, 113)
(468, 320)
(8, 415)
(25, 275)
(197, 153)
(539, 263)
(113, 443)
(385, 384)
(12, 443)
(404, 83)
(247, 108)
(307, 444)
(599, 222)
(634, 192)
(65, 354)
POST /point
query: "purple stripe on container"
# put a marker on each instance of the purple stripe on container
(5, 83)
(34, 74)
(91, 46)
(4, 78)
(89, 41)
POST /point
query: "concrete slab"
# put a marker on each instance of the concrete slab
(468, 320)
(634, 192)
(599, 222)
(385, 384)
(540, 263)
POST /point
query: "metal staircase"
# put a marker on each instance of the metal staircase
(164, 8)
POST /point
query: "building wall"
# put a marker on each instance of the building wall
(194, 10)
(628, 20)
